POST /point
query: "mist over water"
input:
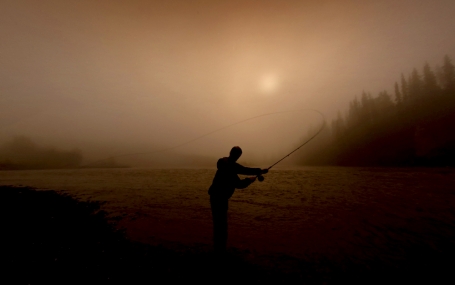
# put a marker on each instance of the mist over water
(112, 78)
(128, 105)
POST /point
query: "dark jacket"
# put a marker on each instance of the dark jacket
(226, 180)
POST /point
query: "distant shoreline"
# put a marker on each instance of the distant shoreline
(6, 167)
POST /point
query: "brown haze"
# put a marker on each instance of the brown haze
(116, 77)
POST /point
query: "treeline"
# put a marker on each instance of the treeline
(414, 126)
(22, 153)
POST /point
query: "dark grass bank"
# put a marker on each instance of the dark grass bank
(49, 238)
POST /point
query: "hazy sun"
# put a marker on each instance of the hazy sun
(268, 83)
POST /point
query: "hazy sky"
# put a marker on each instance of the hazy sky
(143, 73)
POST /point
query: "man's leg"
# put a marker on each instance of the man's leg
(220, 226)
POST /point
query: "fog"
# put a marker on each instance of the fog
(117, 77)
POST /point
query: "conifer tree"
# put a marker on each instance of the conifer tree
(354, 112)
(448, 75)
(429, 81)
(398, 96)
(338, 126)
(365, 112)
(384, 102)
(368, 123)
(404, 88)
(415, 85)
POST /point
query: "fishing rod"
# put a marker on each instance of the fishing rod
(218, 130)
(261, 178)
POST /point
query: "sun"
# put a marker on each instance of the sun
(268, 83)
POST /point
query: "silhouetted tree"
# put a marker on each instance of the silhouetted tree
(415, 85)
(430, 84)
(404, 88)
(354, 113)
(398, 96)
(448, 75)
(384, 102)
(338, 126)
(375, 132)
(366, 110)
(22, 153)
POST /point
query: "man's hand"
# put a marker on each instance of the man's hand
(264, 171)
(253, 178)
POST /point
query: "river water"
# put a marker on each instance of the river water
(360, 214)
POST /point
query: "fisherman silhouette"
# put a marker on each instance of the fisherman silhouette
(223, 186)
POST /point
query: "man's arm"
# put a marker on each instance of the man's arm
(243, 183)
(240, 169)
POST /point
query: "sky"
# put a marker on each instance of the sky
(115, 77)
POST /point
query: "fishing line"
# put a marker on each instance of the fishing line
(220, 129)
(261, 178)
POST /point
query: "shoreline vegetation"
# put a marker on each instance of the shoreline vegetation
(11, 166)
(21, 153)
(50, 238)
(413, 127)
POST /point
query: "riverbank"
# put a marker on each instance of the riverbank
(50, 238)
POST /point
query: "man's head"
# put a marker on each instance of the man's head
(235, 153)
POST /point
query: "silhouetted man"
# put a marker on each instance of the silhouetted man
(223, 186)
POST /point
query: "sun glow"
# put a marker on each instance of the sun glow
(268, 83)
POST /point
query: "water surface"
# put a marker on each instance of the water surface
(357, 214)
